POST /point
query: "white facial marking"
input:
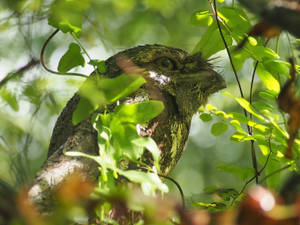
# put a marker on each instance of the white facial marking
(160, 78)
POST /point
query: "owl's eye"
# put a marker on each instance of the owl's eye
(166, 63)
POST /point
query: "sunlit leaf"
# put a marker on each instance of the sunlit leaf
(277, 67)
(268, 80)
(209, 107)
(246, 105)
(201, 18)
(9, 98)
(262, 53)
(240, 137)
(71, 59)
(237, 21)
(98, 91)
(212, 35)
(252, 41)
(124, 136)
(138, 112)
(239, 58)
(120, 86)
(67, 15)
(100, 64)
(149, 181)
(222, 115)
(83, 110)
(152, 147)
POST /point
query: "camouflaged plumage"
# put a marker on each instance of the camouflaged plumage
(180, 80)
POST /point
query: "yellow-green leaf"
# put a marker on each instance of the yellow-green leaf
(267, 78)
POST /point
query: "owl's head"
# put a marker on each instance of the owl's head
(187, 78)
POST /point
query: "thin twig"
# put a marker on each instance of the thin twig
(274, 172)
(252, 84)
(43, 61)
(81, 46)
(33, 62)
(259, 172)
(178, 187)
(268, 157)
(253, 154)
(254, 160)
(227, 49)
(250, 129)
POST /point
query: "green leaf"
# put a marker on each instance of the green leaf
(240, 117)
(210, 107)
(152, 147)
(211, 207)
(262, 53)
(239, 58)
(246, 105)
(237, 21)
(225, 193)
(97, 91)
(218, 128)
(83, 110)
(222, 115)
(139, 112)
(268, 95)
(201, 18)
(277, 67)
(201, 109)
(10, 99)
(100, 64)
(124, 136)
(240, 137)
(119, 87)
(273, 181)
(237, 125)
(260, 105)
(205, 117)
(241, 173)
(268, 80)
(149, 181)
(212, 35)
(71, 59)
(67, 15)
(252, 41)
(264, 149)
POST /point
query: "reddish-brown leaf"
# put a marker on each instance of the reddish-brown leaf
(74, 189)
(261, 29)
(290, 104)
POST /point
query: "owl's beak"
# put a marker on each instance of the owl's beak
(219, 82)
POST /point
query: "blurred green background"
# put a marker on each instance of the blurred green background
(31, 101)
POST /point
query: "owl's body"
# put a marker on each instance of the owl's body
(181, 81)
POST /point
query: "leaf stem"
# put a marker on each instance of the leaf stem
(227, 49)
(81, 46)
(274, 172)
(253, 154)
(43, 61)
(178, 187)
